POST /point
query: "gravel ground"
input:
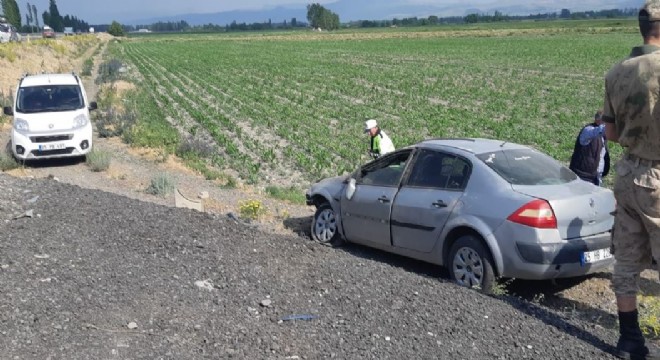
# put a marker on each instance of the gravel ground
(87, 274)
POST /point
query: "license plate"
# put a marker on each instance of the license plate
(46, 147)
(595, 256)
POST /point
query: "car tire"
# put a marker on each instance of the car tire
(324, 226)
(470, 264)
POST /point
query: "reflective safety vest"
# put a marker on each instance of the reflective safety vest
(381, 144)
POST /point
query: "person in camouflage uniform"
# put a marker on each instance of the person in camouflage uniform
(632, 90)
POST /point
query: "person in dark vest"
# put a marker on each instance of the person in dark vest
(591, 158)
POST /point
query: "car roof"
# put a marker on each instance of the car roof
(46, 79)
(472, 145)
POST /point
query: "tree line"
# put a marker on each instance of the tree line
(497, 16)
(50, 17)
(318, 17)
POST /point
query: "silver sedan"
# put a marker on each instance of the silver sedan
(483, 208)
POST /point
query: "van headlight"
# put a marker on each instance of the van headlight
(21, 125)
(79, 121)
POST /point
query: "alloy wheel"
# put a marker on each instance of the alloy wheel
(468, 267)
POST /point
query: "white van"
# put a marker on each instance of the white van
(5, 33)
(51, 117)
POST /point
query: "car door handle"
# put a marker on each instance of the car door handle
(439, 204)
(383, 199)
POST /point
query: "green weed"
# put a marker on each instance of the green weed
(98, 160)
(649, 310)
(114, 123)
(251, 209)
(109, 71)
(87, 67)
(161, 185)
(291, 194)
(8, 162)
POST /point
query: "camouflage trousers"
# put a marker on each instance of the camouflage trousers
(636, 235)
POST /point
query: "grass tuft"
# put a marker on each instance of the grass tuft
(649, 308)
(109, 71)
(291, 194)
(98, 160)
(8, 162)
(115, 123)
(195, 146)
(161, 185)
(87, 67)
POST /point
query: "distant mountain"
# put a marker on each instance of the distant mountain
(276, 15)
(351, 10)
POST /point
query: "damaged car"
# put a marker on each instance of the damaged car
(485, 209)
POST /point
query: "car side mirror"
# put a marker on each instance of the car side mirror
(8, 111)
(93, 105)
(350, 189)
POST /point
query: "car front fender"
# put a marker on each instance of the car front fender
(324, 194)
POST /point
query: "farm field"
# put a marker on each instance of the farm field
(288, 108)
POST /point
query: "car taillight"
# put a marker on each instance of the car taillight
(537, 214)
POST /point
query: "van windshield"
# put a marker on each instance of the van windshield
(35, 99)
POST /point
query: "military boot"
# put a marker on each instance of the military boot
(631, 344)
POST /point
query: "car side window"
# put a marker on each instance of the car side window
(386, 171)
(438, 170)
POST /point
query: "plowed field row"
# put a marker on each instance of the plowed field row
(279, 107)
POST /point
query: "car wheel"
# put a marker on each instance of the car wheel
(324, 226)
(470, 264)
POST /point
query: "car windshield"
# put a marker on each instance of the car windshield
(36, 99)
(527, 167)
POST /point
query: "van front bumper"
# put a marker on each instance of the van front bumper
(31, 146)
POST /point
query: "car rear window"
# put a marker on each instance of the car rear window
(527, 167)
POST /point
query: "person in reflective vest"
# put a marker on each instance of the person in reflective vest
(381, 144)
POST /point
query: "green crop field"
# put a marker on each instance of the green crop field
(290, 106)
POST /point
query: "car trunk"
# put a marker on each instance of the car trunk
(581, 209)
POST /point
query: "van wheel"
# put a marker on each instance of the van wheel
(470, 264)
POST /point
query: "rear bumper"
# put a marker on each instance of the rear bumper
(567, 252)
(558, 259)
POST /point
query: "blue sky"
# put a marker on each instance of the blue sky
(104, 11)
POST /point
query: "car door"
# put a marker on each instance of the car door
(366, 216)
(427, 198)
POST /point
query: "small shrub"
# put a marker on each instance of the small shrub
(109, 71)
(98, 160)
(7, 52)
(58, 48)
(5, 101)
(251, 209)
(230, 182)
(649, 308)
(87, 67)
(115, 123)
(500, 287)
(195, 147)
(7, 162)
(161, 185)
